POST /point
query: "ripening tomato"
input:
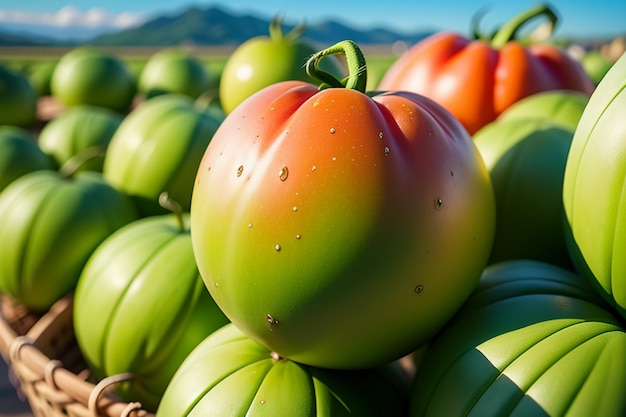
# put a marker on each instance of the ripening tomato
(337, 229)
(477, 79)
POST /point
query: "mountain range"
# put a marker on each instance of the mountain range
(212, 26)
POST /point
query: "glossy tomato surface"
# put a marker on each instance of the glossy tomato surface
(339, 230)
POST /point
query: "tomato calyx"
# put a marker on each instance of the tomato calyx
(72, 165)
(357, 70)
(276, 30)
(172, 205)
(509, 32)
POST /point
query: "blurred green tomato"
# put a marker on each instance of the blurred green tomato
(90, 76)
(77, 129)
(595, 65)
(18, 99)
(173, 71)
(263, 60)
(19, 154)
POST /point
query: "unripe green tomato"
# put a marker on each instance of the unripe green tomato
(593, 188)
(77, 129)
(526, 161)
(533, 340)
(53, 223)
(141, 307)
(40, 76)
(19, 154)
(173, 71)
(158, 148)
(229, 374)
(559, 106)
(90, 76)
(265, 60)
(595, 65)
(18, 99)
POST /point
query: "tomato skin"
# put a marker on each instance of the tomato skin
(477, 82)
(324, 222)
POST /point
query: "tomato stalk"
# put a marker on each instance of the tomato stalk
(172, 205)
(357, 70)
(276, 31)
(73, 164)
(509, 31)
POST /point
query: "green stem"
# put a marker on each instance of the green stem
(276, 30)
(73, 164)
(357, 70)
(510, 29)
(172, 205)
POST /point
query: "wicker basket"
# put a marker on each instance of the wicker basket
(48, 369)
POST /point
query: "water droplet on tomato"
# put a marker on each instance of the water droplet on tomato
(419, 289)
(298, 236)
(380, 134)
(313, 168)
(249, 225)
(332, 130)
(387, 151)
(438, 203)
(277, 247)
(294, 208)
(334, 158)
(283, 173)
(240, 170)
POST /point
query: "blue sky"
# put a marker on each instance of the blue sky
(577, 17)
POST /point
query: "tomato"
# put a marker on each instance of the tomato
(158, 148)
(526, 161)
(477, 79)
(324, 222)
(141, 275)
(53, 222)
(19, 154)
(593, 189)
(230, 374)
(532, 340)
(18, 99)
(77, 129)
(90, 76)
(173, 71)
(265, 60)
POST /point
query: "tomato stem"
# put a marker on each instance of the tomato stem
(357, 70)
(172, 205)
(73, 164)
(276, 30)
(509, 31)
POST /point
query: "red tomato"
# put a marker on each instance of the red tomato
(341, 230)
(477, 79)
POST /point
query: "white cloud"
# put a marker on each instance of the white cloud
(70, 16)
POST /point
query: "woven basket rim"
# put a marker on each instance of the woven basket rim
(22, 351)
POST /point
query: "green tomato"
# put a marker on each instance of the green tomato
(559, 106)
(593, 189)
(53, 223)
(595, 65)
(18, 99)
(526, 161)
(265, 60)
(40, 76)
(229, 374)
(158, 148)
(141, 307)
(19, 154)
(90, 76)
(533, 340)
(173, 71)
(77, 129)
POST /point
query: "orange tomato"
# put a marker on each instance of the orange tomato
(477, 79)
